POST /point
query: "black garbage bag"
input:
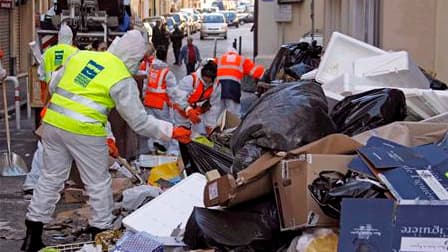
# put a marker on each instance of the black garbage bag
(249, 227)
(246, 156)
(205, 159)
(331, 187)
(369, 110)
(292, 54)
(284, 118)
(296, 71)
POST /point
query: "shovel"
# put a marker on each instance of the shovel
(11, 164)
(137, 179)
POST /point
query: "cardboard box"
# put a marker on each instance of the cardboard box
(255, 180)
(381, 225)
(410, 174)
(297, 209)
(407, 133)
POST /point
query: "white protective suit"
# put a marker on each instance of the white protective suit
(165, 113)
(65, 36)
(37, 163)
(91, 153)
(209, 119)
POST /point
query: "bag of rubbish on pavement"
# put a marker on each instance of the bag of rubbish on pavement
(250, 227)
(284, 118)
(293, 60)
(369, 110)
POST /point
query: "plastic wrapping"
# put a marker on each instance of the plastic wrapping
(206, 159)
(164, 174)
(246, 156)
(331, 187)
(250, 227)
(290, 55)
(135, 197)
(369, 110)
(318, 240)
(284, 118)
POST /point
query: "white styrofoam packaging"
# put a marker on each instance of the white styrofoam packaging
(340, 54)
(170, 210)
(394, 69)
(155, 160)
(348, 84)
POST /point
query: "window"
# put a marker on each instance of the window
(214, 19)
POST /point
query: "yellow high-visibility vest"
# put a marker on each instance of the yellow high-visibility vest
(55, 56)
(82, 101)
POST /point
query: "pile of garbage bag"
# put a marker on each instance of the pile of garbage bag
(292, 61)
(284, 118)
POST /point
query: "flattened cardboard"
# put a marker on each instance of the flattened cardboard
(381, 225)
(407, 133)
(255, 180)
(297, 209)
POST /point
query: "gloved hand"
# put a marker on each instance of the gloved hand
(182, 134)
(113, 149)
(194, 114)
(209, 130)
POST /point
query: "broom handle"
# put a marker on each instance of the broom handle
(5, 110)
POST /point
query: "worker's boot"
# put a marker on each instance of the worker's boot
(94, 231)
(33, 240)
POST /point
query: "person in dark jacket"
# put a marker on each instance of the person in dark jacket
(189, 54)
(164, 37)
(156, 35)
(176, 39)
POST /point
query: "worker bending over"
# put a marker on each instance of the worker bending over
(158, 92)
(232, 67)
(198, 98)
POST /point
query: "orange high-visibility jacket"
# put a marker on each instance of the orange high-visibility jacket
(156, 95)
(232, 66)
(199, 94)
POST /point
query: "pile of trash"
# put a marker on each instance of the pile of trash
(351, 157)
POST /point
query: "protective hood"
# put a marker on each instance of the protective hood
(65, 35)
(130, 48)
(158, 64)
(231, 50)
(199, 75)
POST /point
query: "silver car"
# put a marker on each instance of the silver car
(214, 24)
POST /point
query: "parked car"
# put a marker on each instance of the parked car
(152, 20)
(190, 22)
(231, 18)
(197, 21)
(170, 24)
(214, 24)
(180, 21)
(246, 18)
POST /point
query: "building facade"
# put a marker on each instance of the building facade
(16, 31)
(419, 27)
(278, 24)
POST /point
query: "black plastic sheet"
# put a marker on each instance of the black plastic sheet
(369, 110)
(250, 227)
(331, 187)
(205, 159)
(290, 55)
(284, 118)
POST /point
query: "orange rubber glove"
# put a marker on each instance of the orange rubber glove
(194, 115)
(113, 149)
(182, 134)
(209, 130)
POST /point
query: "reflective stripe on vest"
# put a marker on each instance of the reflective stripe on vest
(199, 94)
(157, 82)
(82, 101)
(230, 67)
(156, 95)
(55, 56)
